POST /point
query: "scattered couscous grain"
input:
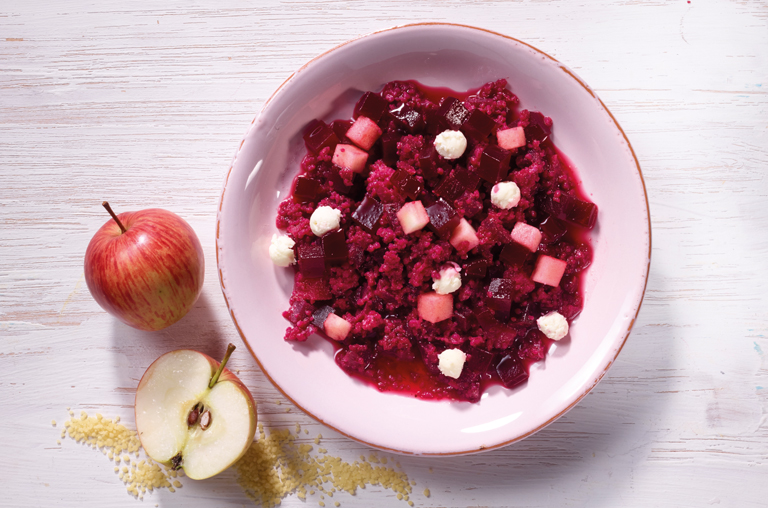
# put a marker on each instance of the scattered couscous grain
(336, 504)
(426, 493)
(53, 422)
(306, 431)
(410, 503)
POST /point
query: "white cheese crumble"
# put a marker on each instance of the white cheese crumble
(553, 325)
(451, 144)
(505, 195)
(448, 281)
(452, 362)
(324, 219)
(281, 250)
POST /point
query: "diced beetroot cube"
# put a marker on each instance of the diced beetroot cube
(511, 371)
(434, 307)
(313, 290)
(371, 105)
(450, 188)
(454, 112)
(573, 210)
(311, 260)
(364, 133)
(514, 254)
(464, 237)
(435, 123)
(476, 268)
(469, 179)
(533, 347)
(464, 319)
(552, 230)
(337, 327)
(350, 157)
(538, 128)
(494, 163)
(428, 159)
(548, 270)
(413, 217)
(306, 189)
(368, 214)
(479, 360)
(318, 135)
(486, 319)
(527, 236)
(340, 127)
(499, 297)
(442, 218)
(510, 139)
(335, 247)
(408, 118)
(478, 125)
(318, 317)
(389, 147)
(407, 184)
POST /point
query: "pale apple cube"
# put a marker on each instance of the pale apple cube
(527, 236)
(434, 307)
(509, 139)
(350, 157)
(464, 237)
(548, 270)
(413, 217)
(337, 327)
(364, 132)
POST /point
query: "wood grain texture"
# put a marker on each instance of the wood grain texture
(144, 104)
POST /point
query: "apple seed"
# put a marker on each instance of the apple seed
(176, 461)
(205, 420)
(194, 414)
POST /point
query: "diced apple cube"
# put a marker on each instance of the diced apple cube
(548, 270)
(526, 235)
(364, 132)
(350, 157)
(434, 307)
(337, 327)
(509, 139)
(412, 216)
(464, 237)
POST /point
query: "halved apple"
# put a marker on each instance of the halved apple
(193, 413)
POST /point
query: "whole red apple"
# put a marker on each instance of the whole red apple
(146, 268)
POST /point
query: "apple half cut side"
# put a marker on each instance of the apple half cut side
(193, 413)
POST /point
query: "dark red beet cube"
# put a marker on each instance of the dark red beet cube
(389, 147)
(453, 111)
(340, 128)
(368, 214)
(306, 190)
(469, 179)
(486, 319)
(450, 188)
(479, 360)
(442, 218)
(494, 163)
(371, 105)
(408, 118)
(319, 316)
(464, 319)
(511, 371)
(573, 210)
(311, 260)
(428, 159)
(537, 128)
(476, 268)
(435, 123)
(552, 230)
(478, 125)
(335, 247)
(499, 296)
(533, 347)
(407, 184)
(313, 290)
(514, 254)
(318, 135)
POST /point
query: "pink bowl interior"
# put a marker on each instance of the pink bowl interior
(459, 58)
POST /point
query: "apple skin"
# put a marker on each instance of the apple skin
(151, 275)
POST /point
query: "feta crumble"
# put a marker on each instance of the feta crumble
(281, 250)
(505, 195)
(324, 219)
(451, 144)
(452, 362)
(448, 281)
(553, 325)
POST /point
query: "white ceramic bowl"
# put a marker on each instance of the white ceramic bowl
(458, 57)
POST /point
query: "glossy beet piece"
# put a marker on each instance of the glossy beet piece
(312, 290)
(340, 128)
(573, 210)
(408, 119)
(435, 123)
(499, 297)
(450, 188)
(537, 128)
(533, 347)
(306, 190)
(335, 247)
(389, 147)
(511, 371)
(552, 230)
(371, 105)
(311, 260)
(494, 163)
(406, 184)
(442, 218)
(479, 360)
(318, 135)
(478, 125)
(320, 315)
(476, 268)
(469, 179)
(454, 112)
(464, 319)
(428, 159)
(486, 319)
(514, 254)
(368, 214)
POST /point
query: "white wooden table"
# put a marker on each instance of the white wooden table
(144, 105)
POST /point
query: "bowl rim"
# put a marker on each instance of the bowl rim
(630, 326)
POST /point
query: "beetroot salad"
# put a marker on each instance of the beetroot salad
(439, 239)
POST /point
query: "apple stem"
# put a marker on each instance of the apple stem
(109, 209)
(215, 378)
